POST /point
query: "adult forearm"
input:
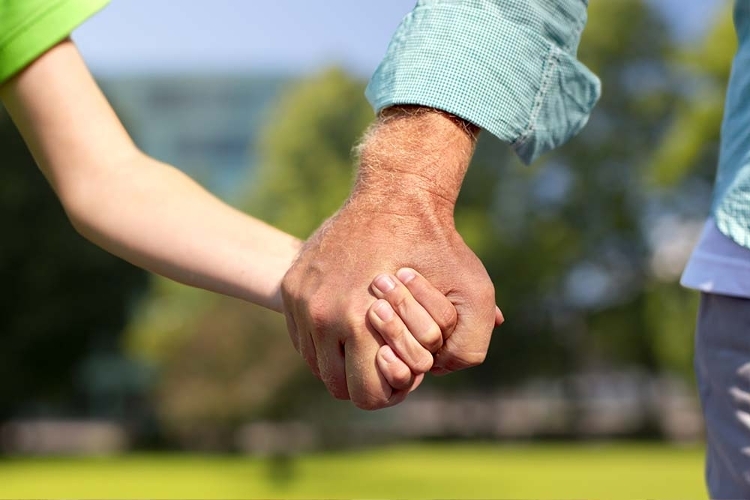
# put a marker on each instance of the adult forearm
(400, 214)
(414, 159)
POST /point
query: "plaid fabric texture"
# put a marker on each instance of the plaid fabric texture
(508, 66)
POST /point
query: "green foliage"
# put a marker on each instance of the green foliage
(62, 299)
(223, 361)
(159, 321)
(221, 374)
(568, 242)
(305, 153)
(671, 311)
(563, 240)
(690, 143)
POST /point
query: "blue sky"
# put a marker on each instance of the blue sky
(289, 36)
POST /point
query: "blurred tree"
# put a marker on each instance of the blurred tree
(62, 299)
(222, 361)
(690, 144)
(679, 179)
(579, 245)
(306, 152)
(233, 361)
(563, 239)
(587, 246)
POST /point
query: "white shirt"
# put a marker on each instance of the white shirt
(718, 265)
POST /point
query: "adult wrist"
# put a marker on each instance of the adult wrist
(415, 155)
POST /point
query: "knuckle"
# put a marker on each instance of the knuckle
(395, 333)
(398, 298)
(433, 338)
(422, 365)
(472, 359)
(336, 386)
(478, 358)
(318, 311)
(401, 378)
(290, 283)
(447, 318)
(391, 330)
(488, 291)
(453, 361)
(370, 403)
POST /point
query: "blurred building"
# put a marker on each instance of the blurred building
(204, 125)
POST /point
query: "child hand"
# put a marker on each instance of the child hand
(413, 319)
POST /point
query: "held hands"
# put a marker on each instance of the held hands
(399, 215)
(327, 302)
(412, 321)
(406, 316)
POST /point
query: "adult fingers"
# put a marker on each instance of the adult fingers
(394, 370)
(325, 338)
(417, 382)
(330, 356)
(302, 342)
(467, 346)
(368, 387)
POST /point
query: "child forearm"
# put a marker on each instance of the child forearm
(134, 206)
(156, 217)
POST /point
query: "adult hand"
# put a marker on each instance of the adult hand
(400, 214)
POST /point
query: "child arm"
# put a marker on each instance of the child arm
(138, 208)
(156, 217)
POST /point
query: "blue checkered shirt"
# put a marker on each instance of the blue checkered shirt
(510, 67)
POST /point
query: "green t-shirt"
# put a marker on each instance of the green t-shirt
(28, 28)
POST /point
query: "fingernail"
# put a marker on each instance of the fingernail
(406, 275)
(384, 311)
(388, 355)
(384, 283)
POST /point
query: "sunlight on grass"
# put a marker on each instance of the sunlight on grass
(411, 471)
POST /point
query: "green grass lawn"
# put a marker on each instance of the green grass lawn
(410, 471)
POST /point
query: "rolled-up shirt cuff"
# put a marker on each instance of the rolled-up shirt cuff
(491, 70)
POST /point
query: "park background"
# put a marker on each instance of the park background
(115, 383)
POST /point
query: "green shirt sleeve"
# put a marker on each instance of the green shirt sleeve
(508, 66)
(28, 28)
